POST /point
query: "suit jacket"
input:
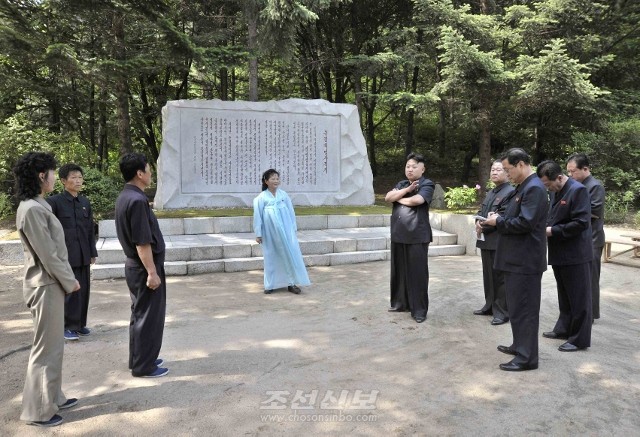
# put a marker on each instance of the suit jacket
(570, 221)
(410, 224)
(76, 218)
(45, 252)
(596, 195)
(522, 238)
(495, 201)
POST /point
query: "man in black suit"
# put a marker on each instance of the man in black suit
(579, 168)
(494, 293)
(74, 212)
(521, 255)
(570, 254)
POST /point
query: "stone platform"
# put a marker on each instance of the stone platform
(227, 244)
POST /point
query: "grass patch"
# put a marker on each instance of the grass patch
(300, 210)
(379, 207)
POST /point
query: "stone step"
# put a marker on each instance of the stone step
(226, 225)
(243, 245)
(180, 268)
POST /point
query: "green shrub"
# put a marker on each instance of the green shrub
(461, 197)
(617, 205)
(6, 207)
(102, 191)
(636, 220)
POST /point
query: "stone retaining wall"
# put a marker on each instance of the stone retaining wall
(462, 225)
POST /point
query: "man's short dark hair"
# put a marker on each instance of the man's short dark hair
(64, 171)
(515, 155)
(550, 169)
(131, 163)
(416, 157)
(581, 160)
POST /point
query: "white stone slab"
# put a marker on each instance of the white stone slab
(305, 222)
(198, 225)
(214, 153)
(107, 229)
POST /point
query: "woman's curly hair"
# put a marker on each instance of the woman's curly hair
(26, 172)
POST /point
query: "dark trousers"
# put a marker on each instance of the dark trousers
(147, 317)
(595, 281)
(410, 278)
(495, 297)
(523, 300)
(574, 300)
(76, 304)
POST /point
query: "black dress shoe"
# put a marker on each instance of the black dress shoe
(507, 350)
(515, 367)
(555, 335)
(268, 291)
(396, 310)
(568, 347)
(294, 289)
(497, 321)
(420, 319)
(483, 312)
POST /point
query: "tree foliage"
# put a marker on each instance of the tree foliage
(456, 80)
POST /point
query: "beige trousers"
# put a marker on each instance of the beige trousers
(43, 384)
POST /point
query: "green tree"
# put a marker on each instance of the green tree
(551, 83)
(477, 77)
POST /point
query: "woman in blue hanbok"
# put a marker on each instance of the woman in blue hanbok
(274, 224)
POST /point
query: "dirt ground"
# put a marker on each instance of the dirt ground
(243, 363)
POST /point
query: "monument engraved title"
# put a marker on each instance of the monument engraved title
(214, 153)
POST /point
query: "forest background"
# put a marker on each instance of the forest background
(458, 81)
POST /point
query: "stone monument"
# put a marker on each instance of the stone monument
(214, 153)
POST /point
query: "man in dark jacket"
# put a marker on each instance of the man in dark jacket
(521, 255)
(570, 254)
(579, 168)
(494, 293)
(74, 212)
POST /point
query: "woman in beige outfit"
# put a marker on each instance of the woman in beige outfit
(47, 277)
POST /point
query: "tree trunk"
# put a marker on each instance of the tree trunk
(122, 88)
(371, 127)
(468, 160)
(182, 89)
(484, 164)
(103, 145)
(92, 118)
(224, 85)
(148, 116)
(252, 43)
(54, 114)
(536, 154)
(371, 141)
(357, 87)
(411, 113)
(442, 119)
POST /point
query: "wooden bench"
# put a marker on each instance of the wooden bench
(632, 240)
